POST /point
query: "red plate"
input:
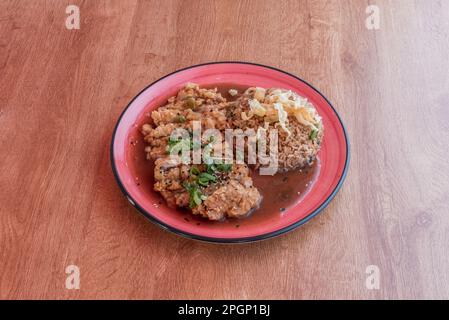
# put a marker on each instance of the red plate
(134, 175)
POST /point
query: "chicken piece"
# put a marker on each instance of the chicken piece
(232, 200)
(233, 197)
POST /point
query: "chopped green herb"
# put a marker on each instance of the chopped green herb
(313, 134)
(194, 193)
(203, 182)
(190, 187)
(194, 171)
(172, 142)
(196, 197)
(224, 167)
(207, 176)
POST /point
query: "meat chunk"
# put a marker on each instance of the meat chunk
(231, 194)
(232, 200)
(169, 175)
(299, 134)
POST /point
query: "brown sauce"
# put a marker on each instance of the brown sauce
(283, 190)
(280, 192)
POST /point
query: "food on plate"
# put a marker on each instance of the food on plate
(190, 104)
(221, 188)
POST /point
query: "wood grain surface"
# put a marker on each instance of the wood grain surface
(61, 92)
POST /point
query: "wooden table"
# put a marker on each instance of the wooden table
(62, 90)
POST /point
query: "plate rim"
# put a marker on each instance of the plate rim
(264, 236)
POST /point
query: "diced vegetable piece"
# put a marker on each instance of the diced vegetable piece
(196, 198)
(313, 134)
(180, 118)
(207, 176)
(211, 168)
